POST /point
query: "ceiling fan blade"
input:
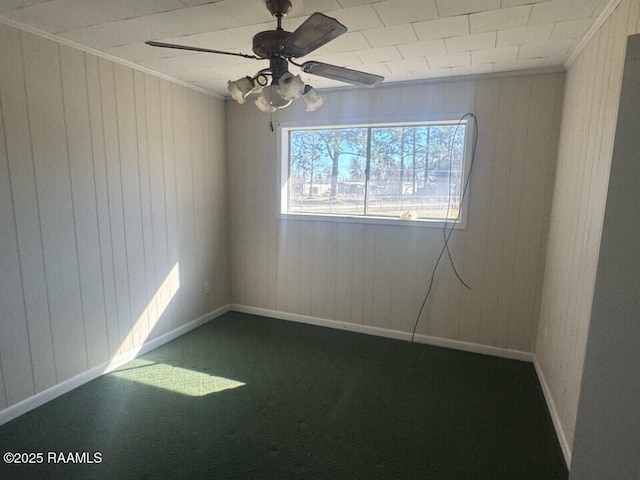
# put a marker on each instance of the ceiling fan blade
(342, 74)
(316, 30)
(198, 49)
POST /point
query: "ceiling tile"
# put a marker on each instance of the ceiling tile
(186, 63)
(550, 49)
(395, 35)
(525, 35)
(7, 5)
(449, 8)
(442, 28)
(455, 60)
(472, 70)
(402, 77)
(247, 12)
(409, 65)
(467, 43)
(546, 62)
(239, 38)
(355, 3)
(512, 17)
(573, 29)
(529, 64)
(203, 75)
(363, 17)
(63, 15)
(345, 59)
(193, 3)
(152, 27)
(305, 8)
(423, 49)
(561, 10)
(348, 42)
(376, 68)
(377, 55)
(396, 12)
(137, 52)
(494, 55)
(515, 3)
(434, 73)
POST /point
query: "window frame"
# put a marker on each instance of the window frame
(283, 128)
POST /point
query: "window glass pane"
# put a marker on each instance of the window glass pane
(412, 170)
(327, 171)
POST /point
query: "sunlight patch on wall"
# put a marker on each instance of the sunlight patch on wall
(149, 317)
(174, 379)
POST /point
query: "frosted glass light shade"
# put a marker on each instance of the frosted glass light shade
(241, 88)
(313, 99)
(270, 99)
(291, 87)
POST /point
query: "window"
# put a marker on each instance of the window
(387, 171)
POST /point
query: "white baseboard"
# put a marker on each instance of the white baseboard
(55, 391)
(382, 332)
(566, 450)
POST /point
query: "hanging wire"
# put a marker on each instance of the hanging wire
(447, 232)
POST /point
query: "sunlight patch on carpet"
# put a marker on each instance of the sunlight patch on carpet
(174, 379)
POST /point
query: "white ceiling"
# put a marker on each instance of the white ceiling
(400, 39)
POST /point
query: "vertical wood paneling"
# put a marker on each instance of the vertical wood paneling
(332, 247)
(132, 209)
(171, 202)
(94, 88)
(368, 244)
(378, 275)
(43, 83)
(589, 114)
(90, 190)
(157, 199)
(15, 364)
(76, 109)
(307, 264)
(344, 272)
(199, 206)
(357, 252)
(479, 206)
(23, 298)
(512, 215)
(184, 198)
(491, 330)
(115, 205)
(382, 288)
(402, 307)
(151, 305)
(316, 278)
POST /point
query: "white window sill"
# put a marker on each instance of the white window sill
(370, 220)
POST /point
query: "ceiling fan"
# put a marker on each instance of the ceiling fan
(281, 47)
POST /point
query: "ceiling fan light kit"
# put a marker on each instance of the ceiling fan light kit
(241, 88)
(280, 48)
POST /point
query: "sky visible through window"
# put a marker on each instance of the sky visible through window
(386, 171)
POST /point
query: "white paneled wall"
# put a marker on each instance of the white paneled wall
(377, 275)
(112, 211)
(584, 158)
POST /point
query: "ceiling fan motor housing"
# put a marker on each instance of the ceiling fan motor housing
(270, 43)
(279, 7)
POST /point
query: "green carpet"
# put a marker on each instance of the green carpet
(251, 397)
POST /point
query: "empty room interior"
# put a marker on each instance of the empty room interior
(320, 239)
